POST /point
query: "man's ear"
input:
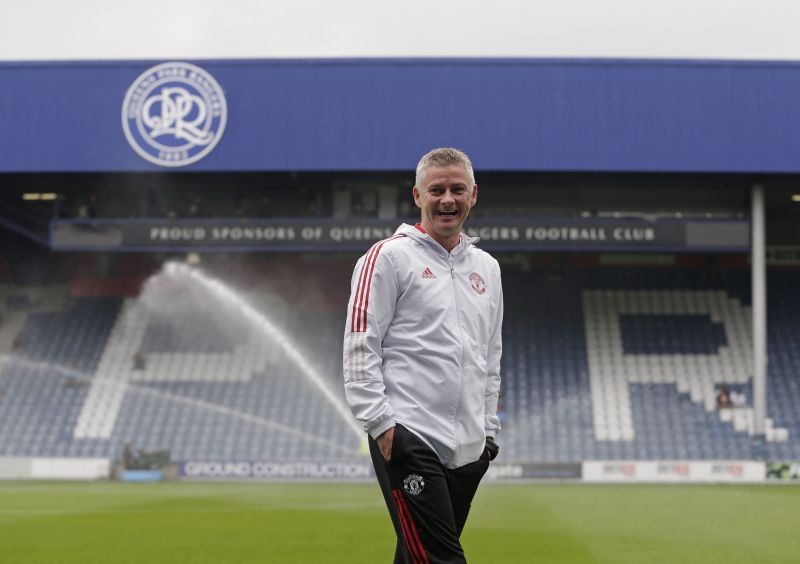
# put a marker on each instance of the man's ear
(474, 194)
(416, 194)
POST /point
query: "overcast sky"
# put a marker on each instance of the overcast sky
(201, 29)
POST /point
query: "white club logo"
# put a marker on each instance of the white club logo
(413, 484)
(174, 114)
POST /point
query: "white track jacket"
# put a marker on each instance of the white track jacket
(423, 342)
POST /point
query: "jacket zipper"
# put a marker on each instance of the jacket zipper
(461, 352)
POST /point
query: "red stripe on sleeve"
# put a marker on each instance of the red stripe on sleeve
(363, 314)
(359, 289)
(358, 322)
(362, 306)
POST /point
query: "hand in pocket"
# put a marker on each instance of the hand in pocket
(385, 442)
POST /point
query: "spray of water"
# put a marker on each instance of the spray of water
(75, 375)
(231, 301)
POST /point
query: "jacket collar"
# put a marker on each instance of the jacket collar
(423, 238)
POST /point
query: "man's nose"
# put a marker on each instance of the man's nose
(448, 197)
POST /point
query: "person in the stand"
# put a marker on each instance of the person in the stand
(422, 362)
(724, 398)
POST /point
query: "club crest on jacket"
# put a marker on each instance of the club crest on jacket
(477, 283)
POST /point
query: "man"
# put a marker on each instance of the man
(422, 362)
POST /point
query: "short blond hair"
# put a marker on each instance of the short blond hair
(441, 157)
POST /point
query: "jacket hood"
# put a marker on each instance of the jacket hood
(418, 235)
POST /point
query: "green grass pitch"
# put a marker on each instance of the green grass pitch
(202, 523)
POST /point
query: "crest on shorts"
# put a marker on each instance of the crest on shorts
(477, 283)
(413, 484)
(174, 114)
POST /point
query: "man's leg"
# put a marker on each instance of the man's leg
(463, 483)
(419, 491)
(400, 554)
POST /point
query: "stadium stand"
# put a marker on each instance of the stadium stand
(205, 389)
(598, 364)
(597, 368)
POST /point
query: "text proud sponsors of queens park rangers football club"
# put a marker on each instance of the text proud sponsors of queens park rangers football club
(174, 114)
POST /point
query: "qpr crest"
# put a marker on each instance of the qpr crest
(174, 114)
(413, 484)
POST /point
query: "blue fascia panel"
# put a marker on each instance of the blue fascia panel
(381, 114)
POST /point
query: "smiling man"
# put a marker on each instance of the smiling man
(422, 352)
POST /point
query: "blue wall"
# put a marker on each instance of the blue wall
(381, 114)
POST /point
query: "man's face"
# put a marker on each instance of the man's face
(445, 196)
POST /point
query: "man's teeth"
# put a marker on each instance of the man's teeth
(448, 213)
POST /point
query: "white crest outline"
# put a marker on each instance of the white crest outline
(206, 89)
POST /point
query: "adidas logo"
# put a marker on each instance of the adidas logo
(427, 273)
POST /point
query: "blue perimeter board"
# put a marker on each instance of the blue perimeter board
(381, 114)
